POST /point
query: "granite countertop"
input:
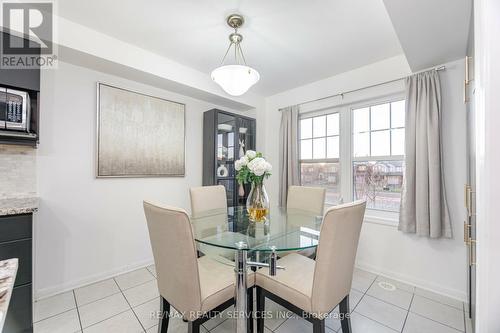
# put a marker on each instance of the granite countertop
(8, 271)
(18, 205)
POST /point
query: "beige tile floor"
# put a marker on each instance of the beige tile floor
(125, 303)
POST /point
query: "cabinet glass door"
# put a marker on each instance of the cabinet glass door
(226, 126)
(246, 135)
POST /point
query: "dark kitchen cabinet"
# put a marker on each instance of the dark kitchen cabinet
(225, 137)
(16, 242)
(25, 80)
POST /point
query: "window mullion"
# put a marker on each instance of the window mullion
(345, 153)
(390, 129)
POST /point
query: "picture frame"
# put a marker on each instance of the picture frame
(138, 135)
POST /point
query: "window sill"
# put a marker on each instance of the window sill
(390, 220)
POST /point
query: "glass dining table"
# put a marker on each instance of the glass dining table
(244, 243)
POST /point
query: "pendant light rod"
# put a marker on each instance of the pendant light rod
(235, 21)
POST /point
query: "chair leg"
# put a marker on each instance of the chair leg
(194, 326)
(250, 315)
(319, 326)
(261, 307)
(345, 315)
(165, 316)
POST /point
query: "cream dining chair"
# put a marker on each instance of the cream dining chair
(210, 201)
(205, 199)
(312, 289)
(309, 199)
(198, 288)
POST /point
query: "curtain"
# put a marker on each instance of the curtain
(424, 210)
(289, 157)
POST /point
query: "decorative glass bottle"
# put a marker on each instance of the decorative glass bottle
(258, 203)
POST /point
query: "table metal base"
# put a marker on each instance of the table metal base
(240, 296)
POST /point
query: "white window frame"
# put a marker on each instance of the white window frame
(319, 113)
(346, 152)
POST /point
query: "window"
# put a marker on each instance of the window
(378, 154)
(320, 153)
(370, 155)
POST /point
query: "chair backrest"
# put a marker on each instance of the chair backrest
(207, 198)
(311, 199)
(175, 256)
(338, 243)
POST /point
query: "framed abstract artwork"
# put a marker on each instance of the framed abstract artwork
(138, 135)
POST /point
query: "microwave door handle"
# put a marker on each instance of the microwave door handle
(3, 108)
(27, 107)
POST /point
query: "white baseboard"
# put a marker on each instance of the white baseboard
(423, 284)
(54, 290)
(438, 289)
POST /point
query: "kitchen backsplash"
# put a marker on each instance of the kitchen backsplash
(17, 171)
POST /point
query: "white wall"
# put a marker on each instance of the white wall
(438, 265)
(487, 104)
(87, 228)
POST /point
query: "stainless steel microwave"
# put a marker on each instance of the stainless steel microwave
(15, 110)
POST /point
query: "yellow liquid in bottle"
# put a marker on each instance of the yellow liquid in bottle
(258, 214)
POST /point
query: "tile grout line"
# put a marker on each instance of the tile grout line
(77, 310)
(434, 300)
(99, 299)
(365, 294)
(384, 301)
(378, 322)
(414, 294)
(137, 285)
(421, 315)
(407, 313)
(50, 317)
(427, 297)
(126, 300)
(103, 320)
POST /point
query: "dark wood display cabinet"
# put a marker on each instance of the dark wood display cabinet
(16, 242)
(226, 136)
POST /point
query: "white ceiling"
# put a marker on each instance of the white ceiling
(290, 42)
(431, 32)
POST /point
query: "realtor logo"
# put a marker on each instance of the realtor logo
(27, 41)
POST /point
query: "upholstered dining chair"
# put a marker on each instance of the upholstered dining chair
(210, 200)
(310, 199)
(312, 289)
(198, 288)
(207, 198)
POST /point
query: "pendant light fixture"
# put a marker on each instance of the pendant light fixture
(236, 78)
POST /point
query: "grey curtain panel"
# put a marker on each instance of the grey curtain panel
(289, 156)
(424, 210)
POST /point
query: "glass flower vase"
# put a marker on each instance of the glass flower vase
(258, 203)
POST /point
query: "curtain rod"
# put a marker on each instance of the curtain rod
(440, 68)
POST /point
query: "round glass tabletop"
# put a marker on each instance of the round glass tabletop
(284, 230)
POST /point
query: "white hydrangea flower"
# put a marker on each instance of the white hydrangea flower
(251, 154)
(258, 166)
(244, 160)
(238, 165)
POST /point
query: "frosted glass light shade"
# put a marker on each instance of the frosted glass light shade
(235, 79)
